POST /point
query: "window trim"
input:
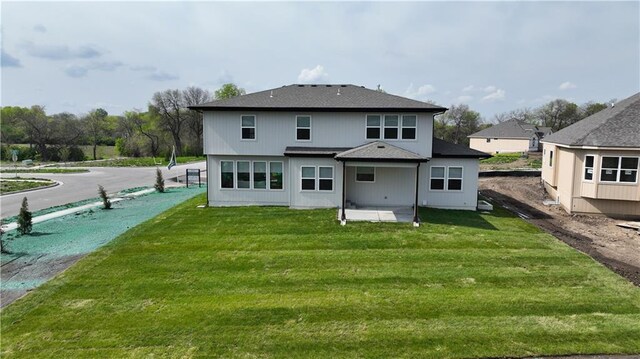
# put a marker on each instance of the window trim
(443, 178)
(399, 127)
(402, 127)
(267, 174)
(318, 178)
(366, 126)
(310, 128)
(619, 169)
(255, 128)
(446, 179)
(461, 179)
(233, 171)
(374, 174)
(593, 169)
(384, 127)
(251, 176)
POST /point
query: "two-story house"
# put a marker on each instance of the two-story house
(312, 146)
(509, 136)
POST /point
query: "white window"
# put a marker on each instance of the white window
(325, 178)
(588, 168)
(259, 175)
(303, 128)
(409, 127)
(454, 179)
(374, 127)
(437, 178)
(275, 175)
(226, 174)
(619, 169)
(243, 169)
(445, 178)
(248, 127)
(365, 174)
(391, 125)
(308, 178)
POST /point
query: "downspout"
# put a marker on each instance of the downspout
(343, 217)
(416, 221)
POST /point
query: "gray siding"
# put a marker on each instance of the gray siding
(314, 199)
(465, 199)
(277, 130)
(393, 186)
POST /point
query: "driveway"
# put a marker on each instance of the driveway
(80, 186)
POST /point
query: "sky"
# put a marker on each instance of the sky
(492, 56)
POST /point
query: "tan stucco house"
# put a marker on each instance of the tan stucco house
(592, 165)
(509, 136)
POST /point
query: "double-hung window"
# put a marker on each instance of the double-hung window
(454, 179)
(588, 168)
(391, 125)
(437, 178)
(316, 178)
(374, 126)
(445, 178)
(259, 175)
(248, 127)
(244, 174)
(226, 174)
(275, 175)
(365, 174)
(409, 126)
(303, 128)
(619, 169)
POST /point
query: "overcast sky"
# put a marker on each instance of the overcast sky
(493, 56)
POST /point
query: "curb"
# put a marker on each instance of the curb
(56, 183)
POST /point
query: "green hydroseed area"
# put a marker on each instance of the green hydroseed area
(271, 282)
(83, 232)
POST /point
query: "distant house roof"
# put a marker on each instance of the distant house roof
(617, 126)
(512, 129)
(380, 151)
(443, 148)
(319, 98)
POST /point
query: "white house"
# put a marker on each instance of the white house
(313, 146)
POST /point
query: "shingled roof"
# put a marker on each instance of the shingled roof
(617, 126)
(511, 129)
(442, 148)
(380, 151)
(319, 98)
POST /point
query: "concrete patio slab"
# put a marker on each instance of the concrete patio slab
(379, 214)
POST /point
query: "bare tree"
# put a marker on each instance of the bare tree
(146, 124)
(195, 96)
(169, 105)
(40, 130)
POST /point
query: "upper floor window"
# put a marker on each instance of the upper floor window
(248, 126)
(409, 125)
(588, 168)
(303, 128)
(391, 127)
(619, 169)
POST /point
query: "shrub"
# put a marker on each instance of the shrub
(105, 199)
(159, 186)
(25, 223)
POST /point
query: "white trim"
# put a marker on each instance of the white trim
(333, 179)
(269, 176)
(366, 126)
(597, 148)
(251, 176)
(310, 128)
(384, 127)
(619, 169)
(400, 126)
(317, 179)
(444, 178)
(255, 128)
(374, 174)
(238, 176)
(266, 175)
(593, 169)
(233, 172)
(461, 178)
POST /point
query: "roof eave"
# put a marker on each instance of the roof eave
(318, 109)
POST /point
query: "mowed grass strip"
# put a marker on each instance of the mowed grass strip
(275, 282)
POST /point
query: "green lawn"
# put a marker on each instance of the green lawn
(44, 170)
(501, 158)
(136, 162)
(274, 282)
(15, 186)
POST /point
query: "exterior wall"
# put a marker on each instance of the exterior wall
(565, 163)
(277, 130)
(314, 199)
(548, 164)
(393, 186)
(242, 197)
(500, 145)
(466, 199)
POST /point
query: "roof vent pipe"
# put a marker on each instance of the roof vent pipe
(271, 95)
(338, 92)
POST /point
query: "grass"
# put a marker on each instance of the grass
(274, 282)
(101, 151)
(44, 170)
(22, 185)
(501, 158)
(136, 162)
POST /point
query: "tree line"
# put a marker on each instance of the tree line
(167, 122)
(460, 121)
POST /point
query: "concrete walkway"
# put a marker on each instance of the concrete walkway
(379, 214)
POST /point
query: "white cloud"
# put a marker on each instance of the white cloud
(420, 92)
(489, 89)
(567, 86)
(463, 99)
(317, 74)
(497, 95)
(468, 88)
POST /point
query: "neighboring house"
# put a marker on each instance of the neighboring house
(509, 136)
(310, 146)
(592, 165)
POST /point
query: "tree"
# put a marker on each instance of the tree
(95, 124)
(228, 91)
(169, 106)
(195, 96)
(40, 130)
(524, 114)
(591, 107)
(105, 199)
(25, 223)
(147, 125)
(457, 123)
(159, 186)
(559, 114)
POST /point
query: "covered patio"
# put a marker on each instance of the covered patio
(379, 214)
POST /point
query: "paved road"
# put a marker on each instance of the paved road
(80, 186)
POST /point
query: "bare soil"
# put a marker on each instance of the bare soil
(598, 236)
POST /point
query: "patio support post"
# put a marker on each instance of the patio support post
(343, 217)
(416, 222)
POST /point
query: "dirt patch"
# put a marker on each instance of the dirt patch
(598, 236)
